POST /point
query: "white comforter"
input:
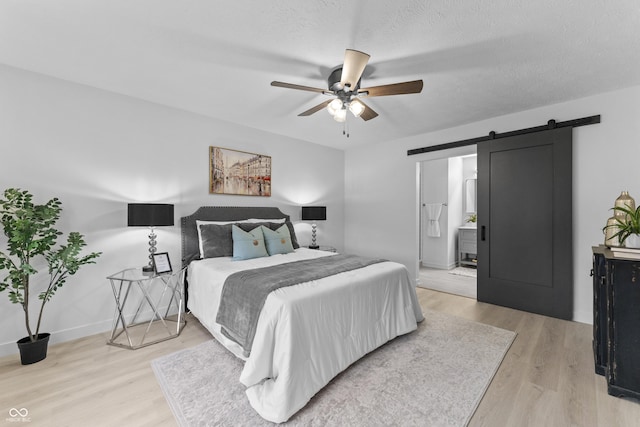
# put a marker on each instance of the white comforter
(308, 333)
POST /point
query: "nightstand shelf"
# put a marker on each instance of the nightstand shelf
(326, 248)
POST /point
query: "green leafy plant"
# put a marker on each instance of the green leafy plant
(472, 218)
(627, 225)
(31, 233)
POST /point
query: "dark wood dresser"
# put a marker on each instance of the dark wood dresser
(616, 321)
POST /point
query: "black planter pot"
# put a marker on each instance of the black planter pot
(32, 352)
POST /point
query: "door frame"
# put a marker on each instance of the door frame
(424, 157)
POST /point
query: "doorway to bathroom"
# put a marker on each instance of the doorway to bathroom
(448, 233)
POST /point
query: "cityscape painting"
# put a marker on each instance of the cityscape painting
(238, 172)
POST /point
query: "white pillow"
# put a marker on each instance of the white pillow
(200, 222)
(276, 221)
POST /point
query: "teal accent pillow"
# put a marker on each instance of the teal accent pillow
(248, 244)
(277, 241)
(272, 226)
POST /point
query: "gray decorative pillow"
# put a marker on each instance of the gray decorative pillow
(216, 240)
(249, 226)
(292, 233)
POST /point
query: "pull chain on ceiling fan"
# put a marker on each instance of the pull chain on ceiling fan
(344, 84)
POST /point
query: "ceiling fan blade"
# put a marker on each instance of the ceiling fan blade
(368, 113)
(315, 109)
(404, 88)
(354, 63)
(299, 87)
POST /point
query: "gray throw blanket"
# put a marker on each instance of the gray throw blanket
(244, 292)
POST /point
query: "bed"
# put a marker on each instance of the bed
(306, 333)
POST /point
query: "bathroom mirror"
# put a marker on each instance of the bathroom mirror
(470, 196)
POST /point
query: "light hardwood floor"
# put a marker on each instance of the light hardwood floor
(444, 281)
(546, 379)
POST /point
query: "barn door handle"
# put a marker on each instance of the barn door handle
(483, 233)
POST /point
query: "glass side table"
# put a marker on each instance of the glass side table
(143, 304)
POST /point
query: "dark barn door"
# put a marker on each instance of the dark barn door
(525, 252)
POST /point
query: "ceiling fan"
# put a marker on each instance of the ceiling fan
(344, 85)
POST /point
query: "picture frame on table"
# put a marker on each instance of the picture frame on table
(162, 263)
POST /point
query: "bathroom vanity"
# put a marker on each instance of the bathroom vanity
(467, 245)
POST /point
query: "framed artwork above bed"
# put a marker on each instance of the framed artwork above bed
(239, 172)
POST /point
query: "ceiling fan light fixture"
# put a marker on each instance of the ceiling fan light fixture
(344, 85)
(340, 115)
(356, 107)
(334, 106)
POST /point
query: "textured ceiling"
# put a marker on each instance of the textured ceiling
(478, 59)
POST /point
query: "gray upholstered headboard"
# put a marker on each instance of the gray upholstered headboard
(190, 247)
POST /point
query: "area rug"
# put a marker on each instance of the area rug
(435, 376)
(464, 271)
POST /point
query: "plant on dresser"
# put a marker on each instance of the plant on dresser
(31, 235)
(627, 226)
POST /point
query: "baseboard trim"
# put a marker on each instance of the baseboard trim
(64, 335)
(583, 317)
(11, 348)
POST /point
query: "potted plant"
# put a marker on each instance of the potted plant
(627, 226)
(31, 235)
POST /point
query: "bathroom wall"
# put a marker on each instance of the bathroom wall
(441, 183)
(434, 187)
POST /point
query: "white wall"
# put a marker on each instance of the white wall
(605, 161)
(97, 151)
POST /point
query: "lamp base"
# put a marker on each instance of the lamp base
(313, 244)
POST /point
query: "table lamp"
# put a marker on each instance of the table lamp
(314, 213)
(150, 215)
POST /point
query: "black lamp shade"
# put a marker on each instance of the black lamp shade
(314, 213)
(150, 214)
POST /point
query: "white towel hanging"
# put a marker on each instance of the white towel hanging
(432, 212)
